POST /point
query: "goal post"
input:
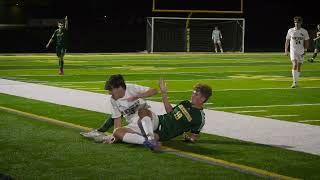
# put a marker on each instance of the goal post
(175, 34)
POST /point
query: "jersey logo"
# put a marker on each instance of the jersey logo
(132, 109)
(185, 112)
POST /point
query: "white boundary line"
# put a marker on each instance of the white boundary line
(282, 115)
(250, 111)
(280, 105)
(310, 121)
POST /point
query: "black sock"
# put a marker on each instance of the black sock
(314, 56)
(106, 125)
(61, 65)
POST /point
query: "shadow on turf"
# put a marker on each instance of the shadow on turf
(209, 147)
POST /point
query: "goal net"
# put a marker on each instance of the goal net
(173, 34)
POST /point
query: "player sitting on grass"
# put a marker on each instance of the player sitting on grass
(185, 118)
(126, 100)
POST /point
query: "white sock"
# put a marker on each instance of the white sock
(147, 127)
(216, 50)
(297, 76)
(133, 138)
(221, 50)
(294, 76)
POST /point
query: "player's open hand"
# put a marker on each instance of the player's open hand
(163, 86)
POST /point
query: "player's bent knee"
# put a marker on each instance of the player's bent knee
(144, 112)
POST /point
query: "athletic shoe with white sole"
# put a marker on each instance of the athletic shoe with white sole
(91, 134)
(106, 139)
(294, 85)
(153, 145)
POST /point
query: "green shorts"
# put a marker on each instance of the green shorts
(60, 51)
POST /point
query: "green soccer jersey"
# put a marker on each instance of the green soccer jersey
(182, 119)
(59, 37)
(317, 42)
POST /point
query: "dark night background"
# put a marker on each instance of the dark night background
(120, 26)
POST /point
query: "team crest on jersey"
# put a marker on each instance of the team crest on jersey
(132, 109)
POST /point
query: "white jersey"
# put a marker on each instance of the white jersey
(297, 37)
(216, 34)
(129, 109)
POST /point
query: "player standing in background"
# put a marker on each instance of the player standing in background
(216, 37)
(298, 38)
(59, 37)
(316, 44)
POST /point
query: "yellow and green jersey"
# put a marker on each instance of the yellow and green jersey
(60, 37)
(182, 119)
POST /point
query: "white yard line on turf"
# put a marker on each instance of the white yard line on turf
(282, 115)
(290, 135)
(280, 105)
(250, 111)
(310, 121)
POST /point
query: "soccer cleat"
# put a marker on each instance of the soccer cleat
(310, 60)
(91, 134)
(153, 145)
(294, 85)
(106, 139)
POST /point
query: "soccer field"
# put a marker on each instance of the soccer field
(250, 83)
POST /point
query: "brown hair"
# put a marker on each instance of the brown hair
(297, 19)
(204, 89)
(115, 81)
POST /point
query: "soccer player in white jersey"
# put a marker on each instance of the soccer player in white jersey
(126, 100)
(298, 38)
(216, 37)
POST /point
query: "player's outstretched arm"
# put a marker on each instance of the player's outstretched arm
(66, 23)
(163, 90)
(306, 45)
(48, 44)
(316, 38)
(117, 123)
(150, 92)
(286, 45)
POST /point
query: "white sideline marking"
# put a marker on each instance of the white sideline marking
(250, 111)
(71, 86)
(280, 105)
(88, 88)
(309, 121)
(282, 115)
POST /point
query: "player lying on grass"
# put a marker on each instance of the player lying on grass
(185, 118)
(126, 100)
